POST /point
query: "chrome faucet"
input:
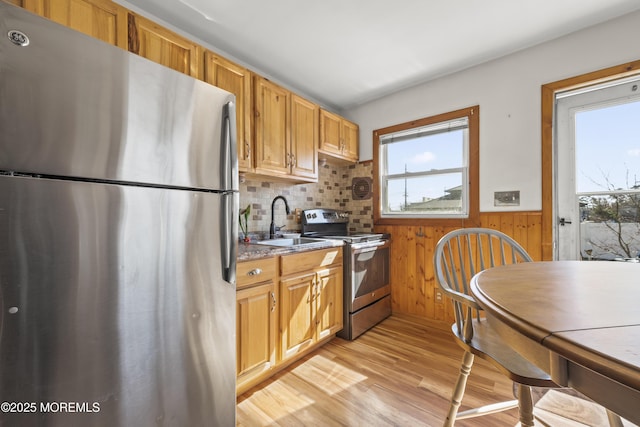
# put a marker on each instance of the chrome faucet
(272, 227)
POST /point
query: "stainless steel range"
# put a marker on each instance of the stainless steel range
(367, 291)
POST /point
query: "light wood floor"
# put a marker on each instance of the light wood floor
(400, 373)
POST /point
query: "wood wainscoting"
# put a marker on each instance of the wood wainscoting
(413, 287)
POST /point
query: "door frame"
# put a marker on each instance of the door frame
(549, 91)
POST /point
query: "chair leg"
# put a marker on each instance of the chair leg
(525, 404)
(458, 391)
(614, 419)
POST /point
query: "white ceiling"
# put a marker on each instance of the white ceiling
(344, 53)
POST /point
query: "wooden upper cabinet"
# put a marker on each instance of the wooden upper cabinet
(271, 120)
(330, 139)
(286, 133)
(350, 132)
(305, 116)
(231, 77)
(101, 19)
(165, 47)
(338, 138)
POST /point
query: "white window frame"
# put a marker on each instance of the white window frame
(444, 126)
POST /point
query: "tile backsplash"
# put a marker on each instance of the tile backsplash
(333, 190)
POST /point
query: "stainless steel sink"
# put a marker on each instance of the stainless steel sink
(289, 242)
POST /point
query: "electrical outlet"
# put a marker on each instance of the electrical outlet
(298, 214)
(438, 296)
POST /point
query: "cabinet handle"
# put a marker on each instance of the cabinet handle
(248, 150)
(288, 159)
(254, 272)
(273, 301)
(294, 161)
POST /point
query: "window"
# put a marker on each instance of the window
(426, 167)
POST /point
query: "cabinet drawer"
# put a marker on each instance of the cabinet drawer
(311, 260)
(255, 271)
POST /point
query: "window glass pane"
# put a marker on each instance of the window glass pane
(610, 226)
(433, 152)
(608, 148)
(433, 194)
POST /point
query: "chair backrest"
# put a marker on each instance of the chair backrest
(461, 254)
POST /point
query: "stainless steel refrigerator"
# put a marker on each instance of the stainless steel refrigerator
(118, 207)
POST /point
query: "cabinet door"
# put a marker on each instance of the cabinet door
(160, 45)
(255, 331)
(297, 325)
(272, 109)
(101, 19)
(350, 140)
(304, 137)
(329, 302)
(330, 140)
(237, 80)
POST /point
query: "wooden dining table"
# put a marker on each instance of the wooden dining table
(579, 321)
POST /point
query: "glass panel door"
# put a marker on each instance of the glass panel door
(597, 172)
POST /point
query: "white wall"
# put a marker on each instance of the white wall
(508, 93)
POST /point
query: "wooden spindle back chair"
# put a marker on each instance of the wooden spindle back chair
(459, 255)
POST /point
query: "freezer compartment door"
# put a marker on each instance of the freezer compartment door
(74, 106)
(112, 300)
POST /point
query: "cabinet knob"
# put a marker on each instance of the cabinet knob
(254, 272)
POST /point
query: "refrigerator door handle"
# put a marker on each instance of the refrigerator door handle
(229, 242)
(229, 150)
(230, 186)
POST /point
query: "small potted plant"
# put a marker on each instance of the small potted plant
(243, 217)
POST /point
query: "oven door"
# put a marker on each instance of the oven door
(369, 270)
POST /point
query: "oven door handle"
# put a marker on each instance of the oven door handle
(370, 246)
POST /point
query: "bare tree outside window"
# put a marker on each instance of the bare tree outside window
(610, 222)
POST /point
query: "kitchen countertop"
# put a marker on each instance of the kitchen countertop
(249, 251)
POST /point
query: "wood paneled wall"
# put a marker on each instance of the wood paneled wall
(413, 287)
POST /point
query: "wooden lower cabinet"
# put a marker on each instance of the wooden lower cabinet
(284, 313)
(256, 321)
(297, 332)
(329, 302)
(256, 331)
(310, 299)
(310, 310)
